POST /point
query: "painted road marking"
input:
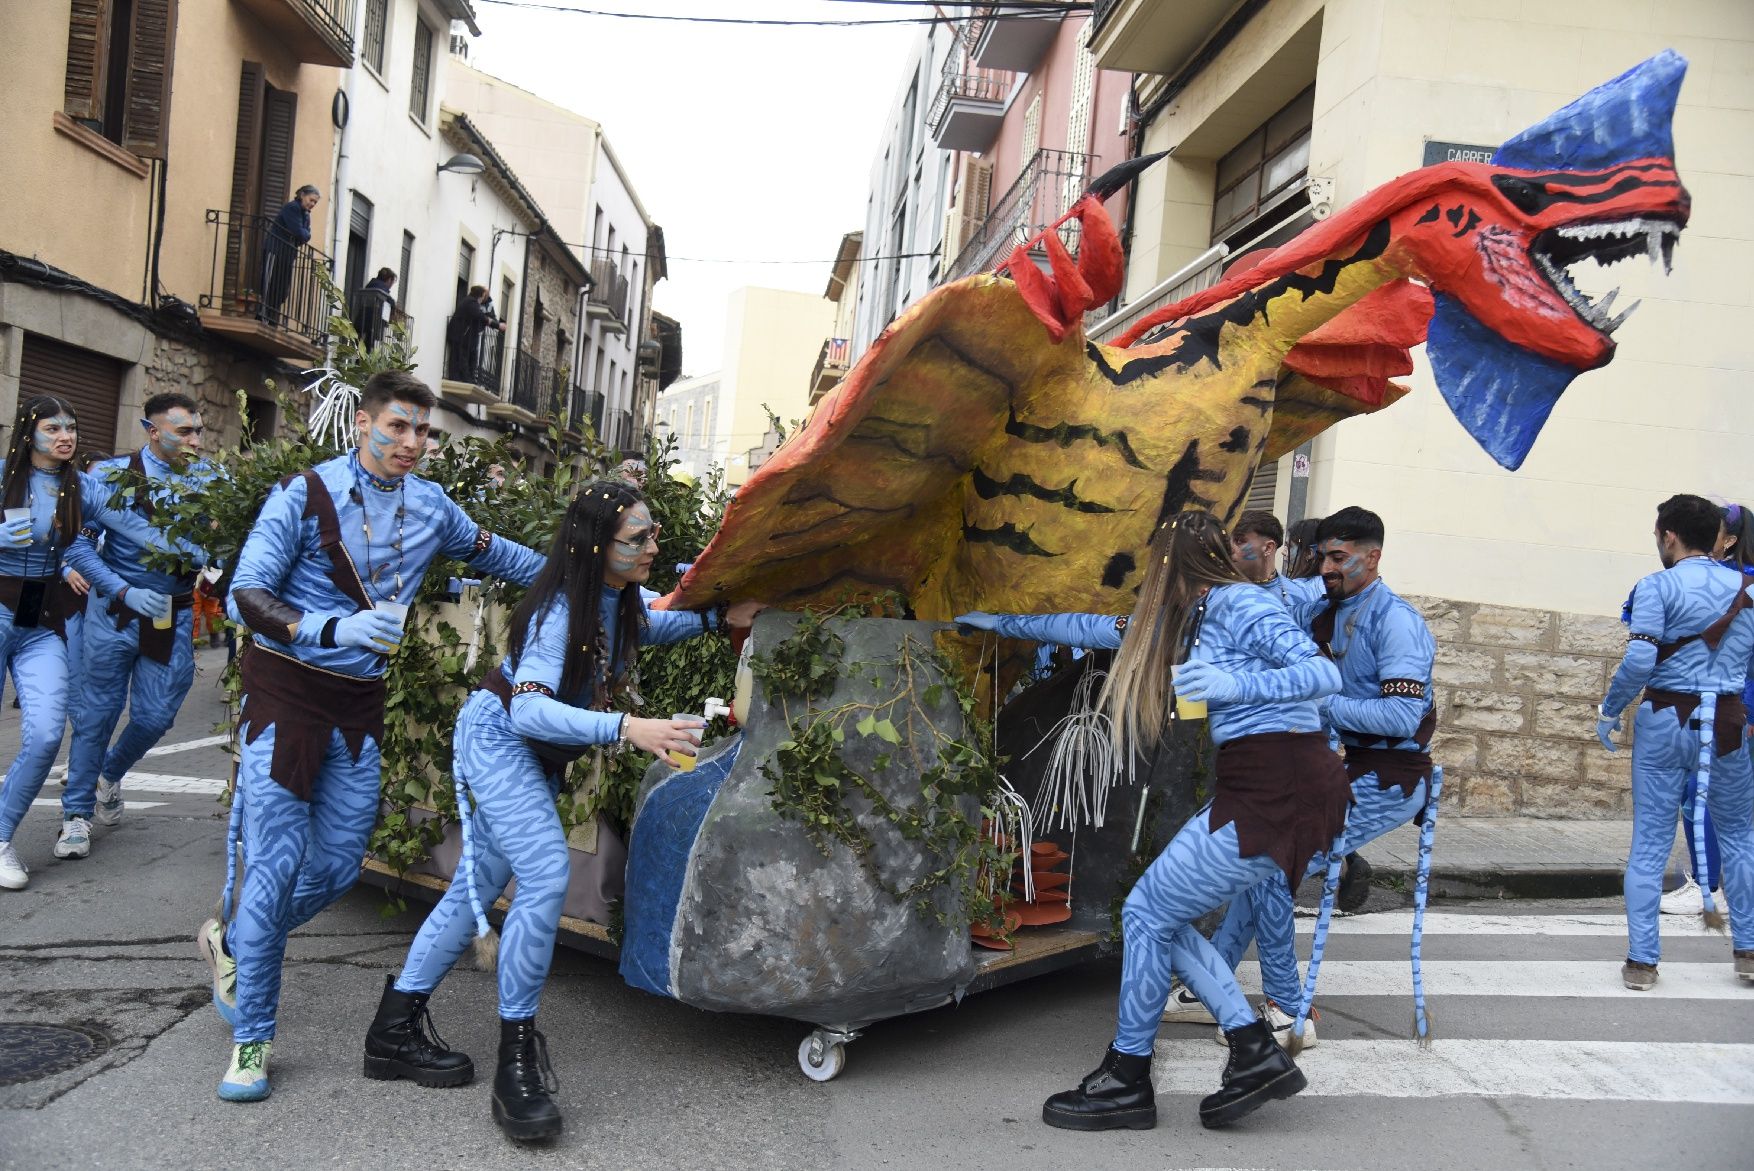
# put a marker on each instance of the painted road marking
(47, 803)
(1631, 1071)
(1455, 923)
(188, 745)
(166, 783)
(1551, 978)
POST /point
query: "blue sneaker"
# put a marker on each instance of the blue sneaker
(210, 943)
(247, 1079)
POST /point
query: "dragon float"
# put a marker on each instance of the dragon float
(983, 454)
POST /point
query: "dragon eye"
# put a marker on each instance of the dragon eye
(1525, 196)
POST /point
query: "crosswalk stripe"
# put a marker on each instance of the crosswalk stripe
(1554, 978)
(1453, 923)
(188, 745)
(136, 782)
(1456, 1067)
(47, 803)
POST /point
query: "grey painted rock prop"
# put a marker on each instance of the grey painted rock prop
(732, 906)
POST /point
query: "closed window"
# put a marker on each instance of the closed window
(420, 88)
(1260, 173)
(377, 22)
(465, 268)
(118, 79)
(405, 272)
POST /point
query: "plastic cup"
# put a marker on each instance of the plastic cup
(165, 621)
(14, 515)
(687, 762)
(395, 610)
(1186, 709)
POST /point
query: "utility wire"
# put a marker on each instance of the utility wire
(616, 254)
(1032, 12)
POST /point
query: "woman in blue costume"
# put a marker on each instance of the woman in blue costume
(1281, 796)
(573, 641)
(40, 601)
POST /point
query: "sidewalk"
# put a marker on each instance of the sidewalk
(1518, 857)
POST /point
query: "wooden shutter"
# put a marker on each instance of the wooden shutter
(88, 47)
(279, 117)
(147, 119)
(245, 192)
(91, 382)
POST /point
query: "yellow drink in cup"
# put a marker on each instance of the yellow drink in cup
(164, 623)
(1186, 709)
(714, 707)
(395, 610)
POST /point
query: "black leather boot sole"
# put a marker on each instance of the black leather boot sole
(1129, 1118)
(1354, 889)
(1285, 1085)
(526, 1129)
(388, 1069)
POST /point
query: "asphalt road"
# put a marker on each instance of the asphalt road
(1541, 1061)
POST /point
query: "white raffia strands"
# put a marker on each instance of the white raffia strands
(332, 415)
(1082, 766)
(1010, 823)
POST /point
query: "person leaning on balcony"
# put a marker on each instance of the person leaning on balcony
(290, 231)
(472, 317)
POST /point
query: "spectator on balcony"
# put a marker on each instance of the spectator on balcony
(290, 231)
(472, 317)
(372, 306)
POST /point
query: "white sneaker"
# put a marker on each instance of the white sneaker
(247, 1078)
(1184, 1008)
(1280, 1023)
(109, 802)
(13, 875)
(210, 945)
(1683, 900)
(75, 839)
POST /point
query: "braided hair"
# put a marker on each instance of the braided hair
(574, 570)
(15, 488)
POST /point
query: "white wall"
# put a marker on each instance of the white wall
(623, 220)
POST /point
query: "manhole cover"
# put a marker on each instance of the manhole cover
(29, 1052)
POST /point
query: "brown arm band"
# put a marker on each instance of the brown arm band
(266, 614)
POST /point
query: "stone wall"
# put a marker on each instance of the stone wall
(212, 375)
(1516, 697)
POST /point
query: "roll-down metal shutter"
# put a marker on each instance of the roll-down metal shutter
(91, 382)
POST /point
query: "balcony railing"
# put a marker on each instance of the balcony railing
(1043, 192)
(532, 386)
(317, 32)
(831, 366)
(264, 289)
(617, 428)
(607, 300)
(584, 405)
(968, 108)
(373, 313)
(478, 362)
(1099, 14)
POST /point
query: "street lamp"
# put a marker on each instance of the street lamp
(463, 163)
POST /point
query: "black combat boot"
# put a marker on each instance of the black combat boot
(1117, 1093)
(1258, 1071)
(403, 1043)
(1354, 884)
(522, 1104)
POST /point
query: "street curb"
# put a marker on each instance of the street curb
(1508, 882)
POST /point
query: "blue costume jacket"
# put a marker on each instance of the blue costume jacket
(1673, 603)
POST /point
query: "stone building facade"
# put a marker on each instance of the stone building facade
(1516, 696)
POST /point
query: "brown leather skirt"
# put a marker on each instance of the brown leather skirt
(1288, 794)
(305, 705)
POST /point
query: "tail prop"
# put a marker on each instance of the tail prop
(1714, 918)
(234, 828)
(1421, 892)
(1330, 890)
(486, 943)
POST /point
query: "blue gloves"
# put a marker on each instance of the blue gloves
(370, 630)
(147, 603)
(18, 532)
(1606, 726)
(1202, 681)
(976, 620)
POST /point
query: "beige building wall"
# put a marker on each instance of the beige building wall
(1570, 531)
(772, 338)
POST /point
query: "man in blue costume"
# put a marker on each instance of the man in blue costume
(1385, 719)
(1689, 649)
(331, 548)
(129, 660)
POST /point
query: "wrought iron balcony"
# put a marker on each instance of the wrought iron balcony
(316, 32)
(473, 366)
(531, 391)
(1044, 190)
(968, 109)
(607, 300)
(831, 366)
(374, 313)
(580, 408)
(265, 291)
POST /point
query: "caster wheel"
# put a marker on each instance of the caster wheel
(821, 1060)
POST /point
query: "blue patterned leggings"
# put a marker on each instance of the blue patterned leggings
(299, 856)
(37, 659)
(114, 673)
(1266, 914)
(1197, 871)
(1665, 757)
(514, 832)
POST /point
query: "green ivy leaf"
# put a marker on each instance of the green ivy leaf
(868, 725)
(886, 731)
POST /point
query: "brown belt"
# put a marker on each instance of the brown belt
(60, 602)
(155, 644)
(555, 758)
(1727, 726)
(1287, 794)
(305, 705)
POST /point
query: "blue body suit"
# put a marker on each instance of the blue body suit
(114, 672)
(1667, 608)
(1282, 674)
(39, 659)
(301, 853)
(514, 830)
(1385, 654)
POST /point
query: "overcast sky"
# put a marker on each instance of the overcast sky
(746, 143)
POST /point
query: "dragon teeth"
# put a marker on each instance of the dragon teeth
(1624, 314)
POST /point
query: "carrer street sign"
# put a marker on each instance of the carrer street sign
(1456, 152)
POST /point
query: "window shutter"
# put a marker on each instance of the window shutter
(146, 121)
(279, 117)
(90, 382)
(87, 50)
(244, 192)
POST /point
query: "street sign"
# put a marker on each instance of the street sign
(1456, 152)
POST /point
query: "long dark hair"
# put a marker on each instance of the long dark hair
(574, 571)
(1301, 559)
(1737, 536)
(1189, 554)
(69, 512)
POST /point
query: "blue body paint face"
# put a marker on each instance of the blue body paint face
(55, 438)
(393, 443)
(174, 435)
(1347, 568)
(635, 546)
(1251, 555)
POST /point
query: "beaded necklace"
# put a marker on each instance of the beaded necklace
(374, 572)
